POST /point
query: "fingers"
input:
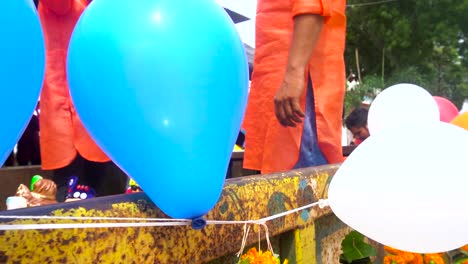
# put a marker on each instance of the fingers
(296, 108)
(281, 114)
(288, 112)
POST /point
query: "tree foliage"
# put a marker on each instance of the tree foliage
(424, 42)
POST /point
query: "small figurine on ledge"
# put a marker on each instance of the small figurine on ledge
(78, 192)
(133, 186)
(42, 192)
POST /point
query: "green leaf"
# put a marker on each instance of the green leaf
(460, 261)
(243, 261)
(354, 247)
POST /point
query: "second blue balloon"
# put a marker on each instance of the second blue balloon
(162, 87)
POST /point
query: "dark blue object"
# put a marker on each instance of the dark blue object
(198, 223)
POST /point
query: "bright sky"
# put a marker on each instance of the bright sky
(246, 8)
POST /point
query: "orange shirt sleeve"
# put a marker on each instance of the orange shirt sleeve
(60, 7)
(319, 7)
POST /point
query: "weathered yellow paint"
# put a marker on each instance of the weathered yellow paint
(305, 245)
(80, 246)
(331, 253)
(243, 198)
(298, 246)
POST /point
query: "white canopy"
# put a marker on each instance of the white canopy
(464, 107)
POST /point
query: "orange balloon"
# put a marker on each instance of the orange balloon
(461, 120)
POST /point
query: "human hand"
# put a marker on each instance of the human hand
(287, 100)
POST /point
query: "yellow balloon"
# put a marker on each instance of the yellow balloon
(461, 120)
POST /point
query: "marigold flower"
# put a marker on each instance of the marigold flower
(408, 257)
(259, 257)
(399, 256)
(393, 251)
(393, 259)
(418, 259)
(434, 258)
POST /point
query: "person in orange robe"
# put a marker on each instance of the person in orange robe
(66, 147)
(294, 112)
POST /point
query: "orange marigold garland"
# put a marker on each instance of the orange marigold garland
(434, 259)
(396, 256)
(252, 256)
(418, 258)
(464, 248)
(403, 257)
(393, 259)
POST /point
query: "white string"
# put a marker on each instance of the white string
(259, 238)
(267, 236)
(244, 239)
(371, 3)
(152, 221)
(88, 225)
(321, 202)
(92, 218)
(246, 235)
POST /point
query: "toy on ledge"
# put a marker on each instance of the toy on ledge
(133, 186)
(42, 192)
(77, 191)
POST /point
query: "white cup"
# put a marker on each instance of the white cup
(15, 202)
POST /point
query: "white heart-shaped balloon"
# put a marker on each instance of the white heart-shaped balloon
(406, 188)
(400, 105)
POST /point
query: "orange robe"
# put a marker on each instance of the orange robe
(62, 134)
(269, 146)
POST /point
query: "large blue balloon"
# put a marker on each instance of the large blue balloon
(22, 61)
(161, 85)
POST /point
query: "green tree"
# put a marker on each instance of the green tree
(420, 41)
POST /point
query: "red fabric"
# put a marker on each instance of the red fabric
(269, 146)
(61, 132)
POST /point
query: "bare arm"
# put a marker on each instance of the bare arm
(307, 28)
(306, 33)
(60, 7)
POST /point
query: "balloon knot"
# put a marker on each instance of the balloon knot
(198, 223)
(323, 203)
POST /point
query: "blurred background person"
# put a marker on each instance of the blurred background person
(356, 122)
(66, 146)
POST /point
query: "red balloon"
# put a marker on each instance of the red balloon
(447, 109)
